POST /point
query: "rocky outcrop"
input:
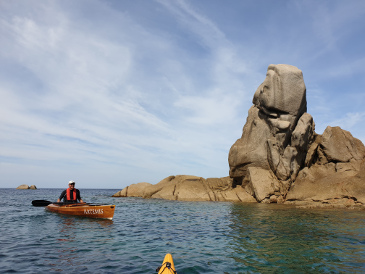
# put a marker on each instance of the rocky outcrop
(334, 172)
(24, 186)
(323, 186)
(278, 131)
(279, 157)
(189, 188)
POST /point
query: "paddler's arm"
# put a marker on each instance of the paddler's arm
(61, 197)
(79, 196)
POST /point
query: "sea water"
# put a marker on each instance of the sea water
(203, 237)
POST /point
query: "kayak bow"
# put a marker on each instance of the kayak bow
(167, 266)
(84, 210)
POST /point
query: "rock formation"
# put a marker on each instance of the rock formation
(279, 157)
(189, 188)
(24, 186)
(278, 130)
(334, 172)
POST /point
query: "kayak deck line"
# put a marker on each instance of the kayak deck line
(83, 210)
(167, 266)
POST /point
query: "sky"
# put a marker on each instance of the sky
(113, 92)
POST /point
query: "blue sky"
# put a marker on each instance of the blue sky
(111, 93)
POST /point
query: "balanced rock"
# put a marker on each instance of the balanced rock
(277, 133)
(280, 158)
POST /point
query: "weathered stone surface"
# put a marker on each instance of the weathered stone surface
(251, 148)
(134, 190)
(335, 175)
(278, 131)
(324, 186)
(339, 145)
(231, 195)
(262, 183)
(32, 187)
(24, 186)
(189, 188)
(282, 92)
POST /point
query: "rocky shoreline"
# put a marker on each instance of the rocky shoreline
(337, 194)
(279, 157)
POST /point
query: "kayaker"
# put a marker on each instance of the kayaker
(70, 195)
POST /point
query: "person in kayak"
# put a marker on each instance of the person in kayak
(70, 195)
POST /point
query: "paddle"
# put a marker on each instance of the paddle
(46, 203)
(41, 203)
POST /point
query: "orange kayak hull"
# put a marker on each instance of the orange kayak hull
(84, 210)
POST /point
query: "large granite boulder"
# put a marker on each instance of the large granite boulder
(339, 146)
(277, 133)
(282, 92)
(334, 173)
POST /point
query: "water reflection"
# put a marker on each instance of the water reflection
(286, 238)
(74, 236)
(70, 227)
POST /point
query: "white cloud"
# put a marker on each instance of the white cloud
(137, 94)
(349, 121)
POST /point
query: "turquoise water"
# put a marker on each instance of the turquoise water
(203, 237)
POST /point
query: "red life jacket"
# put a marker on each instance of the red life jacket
(69, 194)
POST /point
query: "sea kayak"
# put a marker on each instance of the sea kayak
(84, 210)
(167, 266)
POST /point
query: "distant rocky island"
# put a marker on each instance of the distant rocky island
(279, 157)
(26, 187)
